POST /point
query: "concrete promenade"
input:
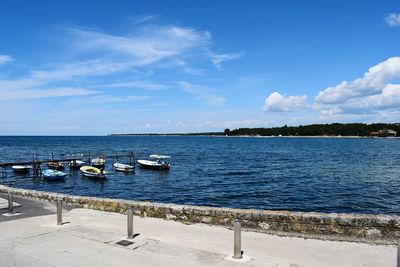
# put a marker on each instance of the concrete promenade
(88, 238)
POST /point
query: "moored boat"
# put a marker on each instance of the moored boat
(55, 165)
(98, 162)
(21, 168)
(92, 172)
(156, 164)
(52, 175)
(159, 157)
(123, 167)
(75, 164)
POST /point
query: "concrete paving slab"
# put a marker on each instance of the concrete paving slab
(4, 204)
(90, 236)
(29, 208)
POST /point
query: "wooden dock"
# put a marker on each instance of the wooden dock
(36, 162)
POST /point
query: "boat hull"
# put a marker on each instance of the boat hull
(52, 175)
(153, 165)
(98, 162)
(123, 167)
(92, 172)
(21, 169)
(76, 164)
(55, 165)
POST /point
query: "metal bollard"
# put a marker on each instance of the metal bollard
(59, 211)
(398, 254)
(10, 203)
(130, 223)
(237, 247)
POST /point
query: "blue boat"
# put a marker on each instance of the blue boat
(53, 175)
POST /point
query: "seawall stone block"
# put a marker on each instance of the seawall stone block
(351, 227)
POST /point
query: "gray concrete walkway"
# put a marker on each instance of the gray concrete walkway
(89, 237)
(26, 208)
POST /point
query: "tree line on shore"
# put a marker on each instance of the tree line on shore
(334, 129)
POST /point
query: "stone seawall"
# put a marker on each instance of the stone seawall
(351, 227)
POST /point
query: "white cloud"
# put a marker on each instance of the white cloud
(143, 19)
(393, 19)
(367, 96)
(43, 93)
(202, 93)
(18, 84)
(193, 71)
(217, 59)
(117, 99)
(5, 59)
(331, 111)
(387, 99)
(148, 45)
(372, 83)
(151, 44)
(212, 99)
(276, 102)
(136, 84)
(78, 69)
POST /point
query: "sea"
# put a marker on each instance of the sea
(341, 175)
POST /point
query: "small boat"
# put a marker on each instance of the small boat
(75, 164)
(55, 165)
(156, 164)
(21, 168)
(98, 162)
(53, 175)
(92, 172)
(123, 167)
(159, 157)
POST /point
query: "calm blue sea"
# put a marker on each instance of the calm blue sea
(302, 174)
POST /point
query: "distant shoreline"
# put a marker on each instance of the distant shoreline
(260, 136)
(333, 130)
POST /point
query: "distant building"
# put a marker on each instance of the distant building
(387, 132)
(374, 134)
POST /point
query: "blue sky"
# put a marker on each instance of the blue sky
(99, 67)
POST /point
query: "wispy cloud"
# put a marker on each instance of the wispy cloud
(135, 84)
(67, 71)
(116, 99)
(19, 84)
(150, 44)
(147, 45)
(194, 71)
(393, 19)
(144, 18)
(95, 71)
(202, 93)
(217, 59)
(5, 59)
(44, 93)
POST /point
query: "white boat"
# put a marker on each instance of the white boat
(21, 168)
(123, 167)
(159, 157)
(75, 164)
(92, 172)
(53, 175)
(98, 161)
(155, 164)
(55, 165)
